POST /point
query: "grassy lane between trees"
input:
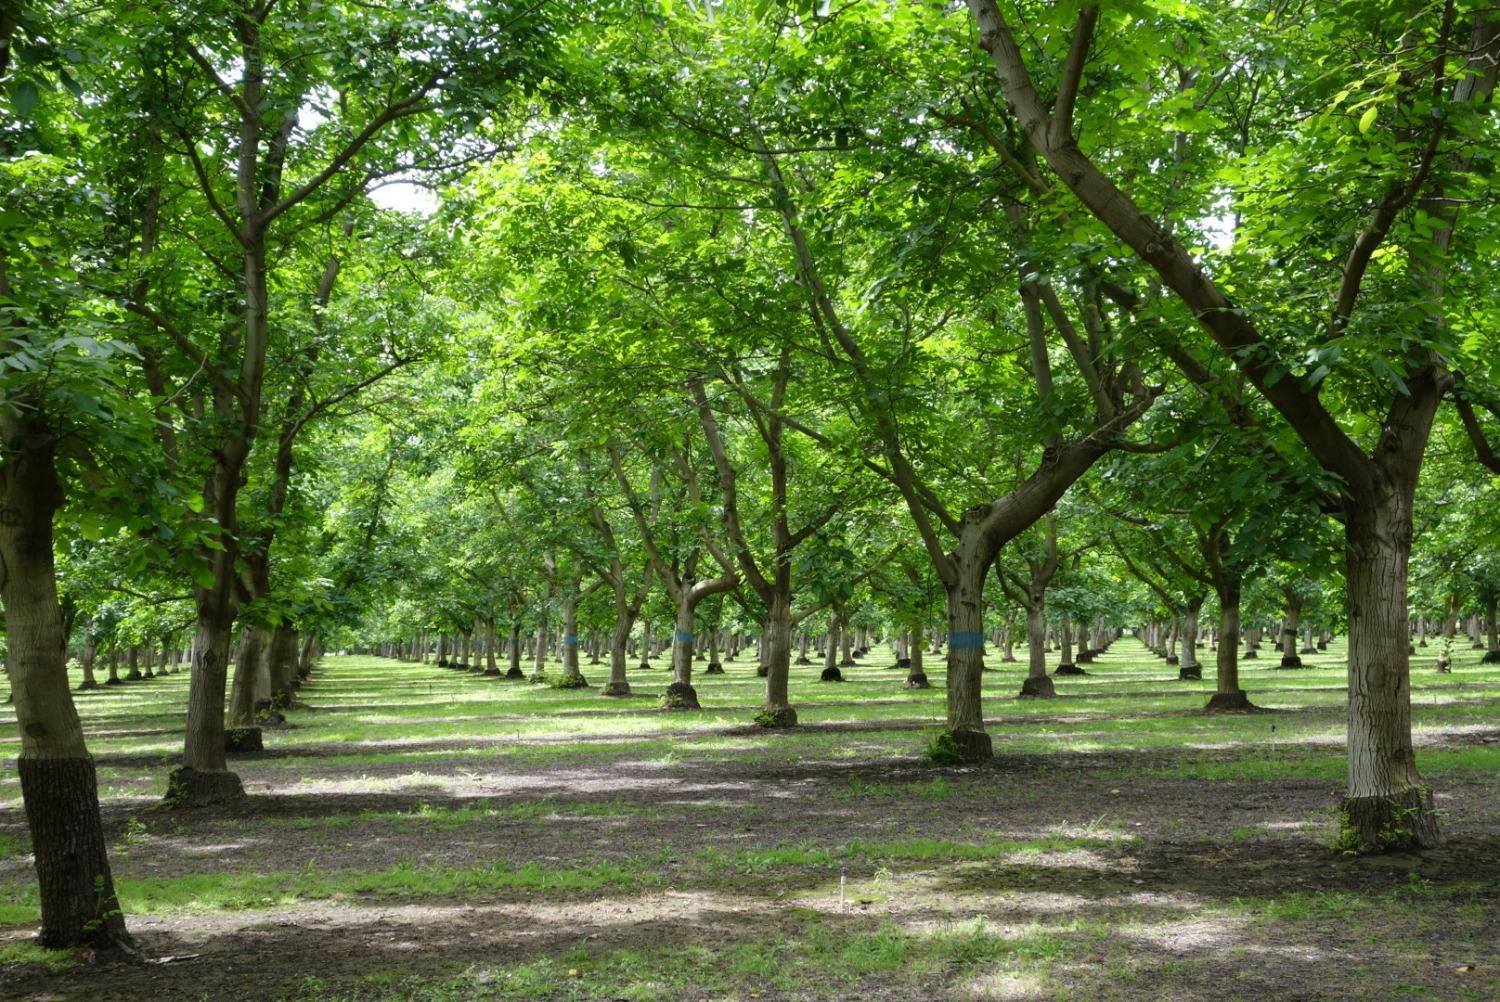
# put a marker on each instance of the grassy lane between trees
(414, 833)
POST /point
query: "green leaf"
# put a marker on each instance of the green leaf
(1368, 118)
(23, 97)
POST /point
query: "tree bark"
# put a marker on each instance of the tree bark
(1387, 805)
(58, 785)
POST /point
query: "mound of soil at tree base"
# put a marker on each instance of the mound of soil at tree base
(918, 681)
(713, 668)
(1172, 659)
(831, 675)
(1291, 661)
(1490, 658)
(902, 663)
(1193, 673)
(1069, 670)
(1037, 687)
(680, 696)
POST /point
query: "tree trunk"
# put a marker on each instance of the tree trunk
(1492, 630)
(90, 649)
(1038, 683)
(778, 710)
(916, 678)
(965, 599)
(1190, 668)
(1387, 805)
(680, 694)
(1289, 658)
(572, 677)
(281, 664)
(58, 785)
(242, 693)
(1228, 695)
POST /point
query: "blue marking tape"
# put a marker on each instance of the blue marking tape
(682, 638)
(570, 639)
(965, 641)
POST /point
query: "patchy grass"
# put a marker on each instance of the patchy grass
(422, 834)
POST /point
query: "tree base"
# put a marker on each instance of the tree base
(1037, 687)
(776, 717)
(1191, 673)
(1398, 823)
(1008, 659)
(615, 689)
(803, 661)
(680, 696)
(514, 673)
(1231, 702)
(1308, 650)
(573, 681)
(492, 672)
(903, 663)
(973, 746)
(1291, 661)
(1490, 658)
(831, 675)
(1322, 646)
(645, 666)
(87, 684)
(78, 901)
(1172, 659)
(762, 671)
(1249, 655)
(713, 668)
(1084, 657)
(918, 680)
(114, 681)
(848, 663)
(189, 787)
(243, 741)
(1069, 670)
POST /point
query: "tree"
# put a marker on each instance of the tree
(1436, 97)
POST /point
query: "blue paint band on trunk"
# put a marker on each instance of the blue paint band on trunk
(965, 641)
(570, 640)
(683, 638)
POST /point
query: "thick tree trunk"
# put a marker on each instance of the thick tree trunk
(837, 640)
(58, 785)
(1289, 658)
(1492, 630)
(916, 678)
(281, 664)
(491, 664)
(572, 677)
(242, 734)
(1387, 805)
(1038, 683)
(778, 710)
(680, 694)
(1190, 668)
(1228, 695)
(965, 651)
(90, 649)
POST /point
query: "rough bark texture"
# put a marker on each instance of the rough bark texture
(1387, 805)
(1037, 682)
(965, 651)
(58, 786)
